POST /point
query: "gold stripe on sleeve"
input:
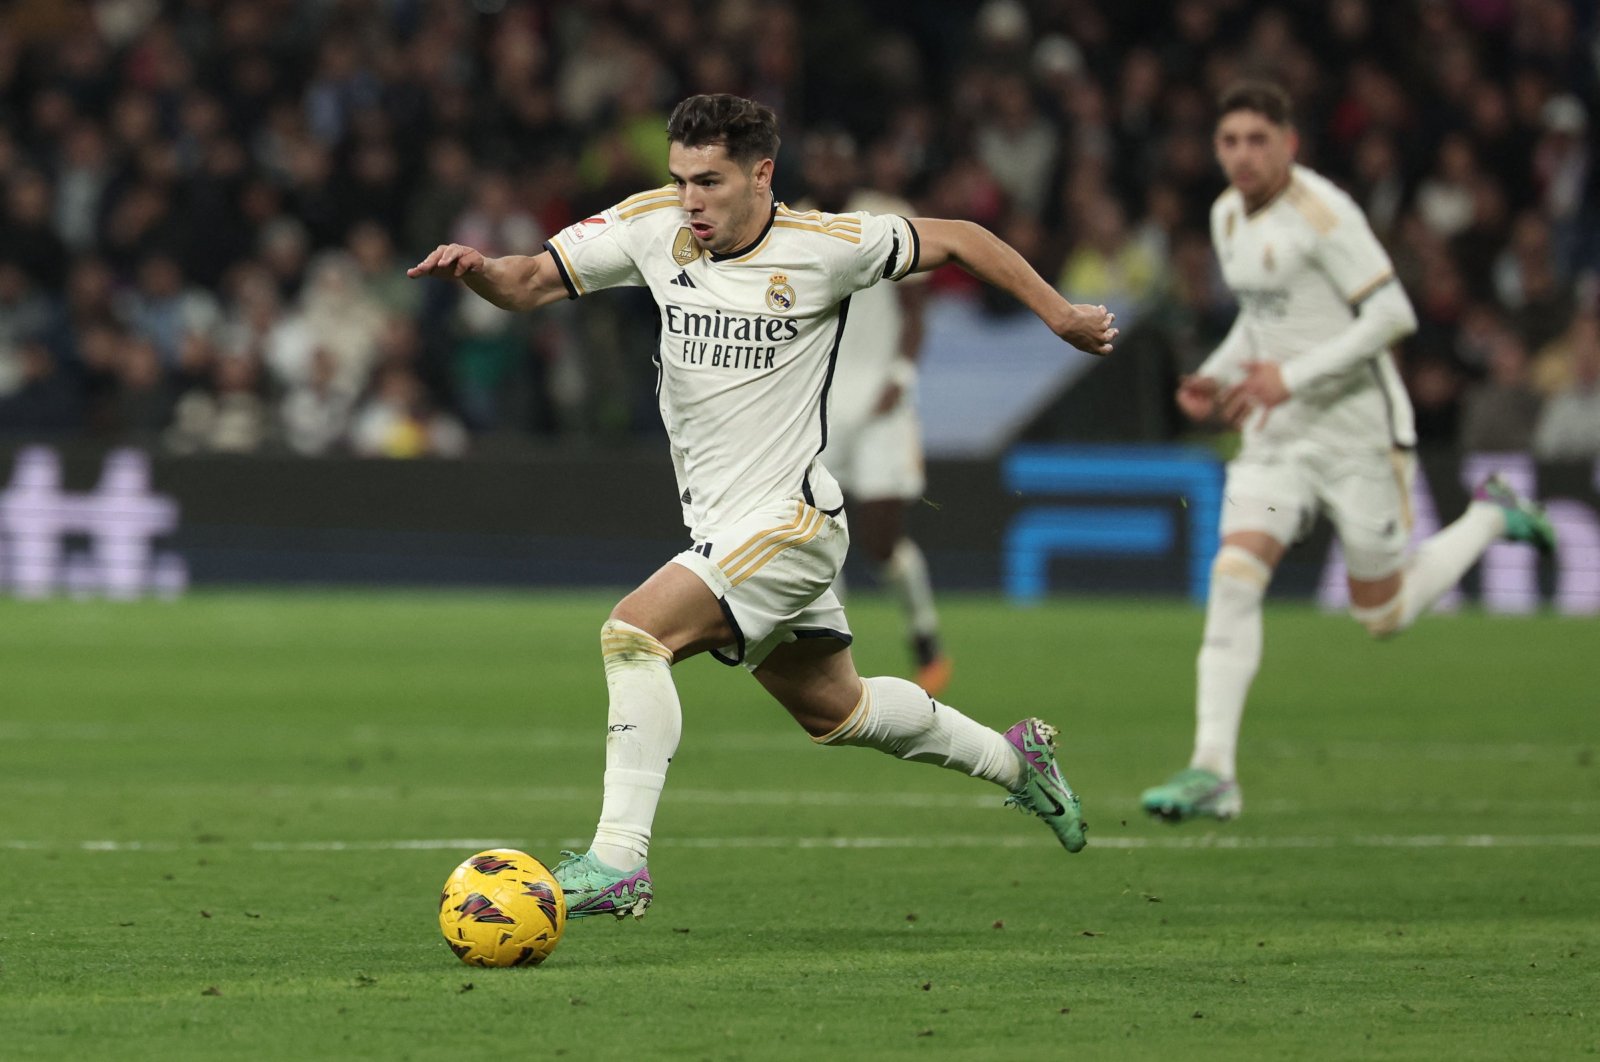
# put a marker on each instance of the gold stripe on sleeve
(1370, 286)
(826, 221)
(840, 234)
(566, 260)
(632, 200)
(645, 208)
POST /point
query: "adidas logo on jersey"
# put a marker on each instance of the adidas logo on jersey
(682, 279)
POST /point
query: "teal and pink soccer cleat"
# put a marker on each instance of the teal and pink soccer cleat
(1044, 792)
(592, 887)
(1193, 793)
(1525, 521)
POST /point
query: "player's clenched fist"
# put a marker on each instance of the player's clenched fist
(448, 260)
(1090, 329)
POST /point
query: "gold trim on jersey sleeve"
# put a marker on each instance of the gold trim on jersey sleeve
(645, 208)
(838, 225)
(909, 256)
(654, 193)
(838, 234)
(819, 217)
(566, 261)
(1371, 286)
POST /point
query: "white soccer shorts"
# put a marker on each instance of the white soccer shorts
(879, 458)
(1367, 496)
(773, 571)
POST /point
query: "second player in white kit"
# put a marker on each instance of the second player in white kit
(1308, 373)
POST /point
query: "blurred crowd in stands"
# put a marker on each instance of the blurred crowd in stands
(208, 205)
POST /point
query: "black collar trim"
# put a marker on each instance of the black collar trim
(753, 244)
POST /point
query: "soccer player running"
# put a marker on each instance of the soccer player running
(874, 438)
(753, 299)
(1307, 372)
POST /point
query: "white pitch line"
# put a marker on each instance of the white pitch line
(978, 798)
(783, 741)
(1223, 842)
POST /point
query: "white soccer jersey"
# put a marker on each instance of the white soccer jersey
(1300, 266)
(749, 339)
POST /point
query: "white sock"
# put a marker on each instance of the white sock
(1444, 558)
(1229, 656)
(645, 722)
(906, 573)
(898, 717)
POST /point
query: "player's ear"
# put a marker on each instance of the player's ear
(761, 176)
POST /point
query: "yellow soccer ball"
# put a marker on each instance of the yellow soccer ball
(502, 908)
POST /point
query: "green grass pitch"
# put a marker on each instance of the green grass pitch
(226, 821)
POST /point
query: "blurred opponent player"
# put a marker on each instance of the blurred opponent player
(753, 297)
(1307, 372)
(874, 438)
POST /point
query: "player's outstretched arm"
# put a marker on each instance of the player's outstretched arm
(515, 282)
(993, 261)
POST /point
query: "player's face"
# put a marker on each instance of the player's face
(727, 203)
(1255, 152)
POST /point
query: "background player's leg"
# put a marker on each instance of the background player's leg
(1444, 558)
(879, 528)
(1390, 605)
(1230, 653)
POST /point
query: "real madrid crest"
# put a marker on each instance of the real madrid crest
(684, 247)
(780, 296)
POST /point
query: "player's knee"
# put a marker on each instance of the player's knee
(623, 644)
(1238, 572)
(1381, 621)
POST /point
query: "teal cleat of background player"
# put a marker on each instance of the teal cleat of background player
(1193, 793)
(1525, 521)
(1044, 792)
(592, 887)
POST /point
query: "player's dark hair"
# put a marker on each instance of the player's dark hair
(1266, 98)
(746, 129)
